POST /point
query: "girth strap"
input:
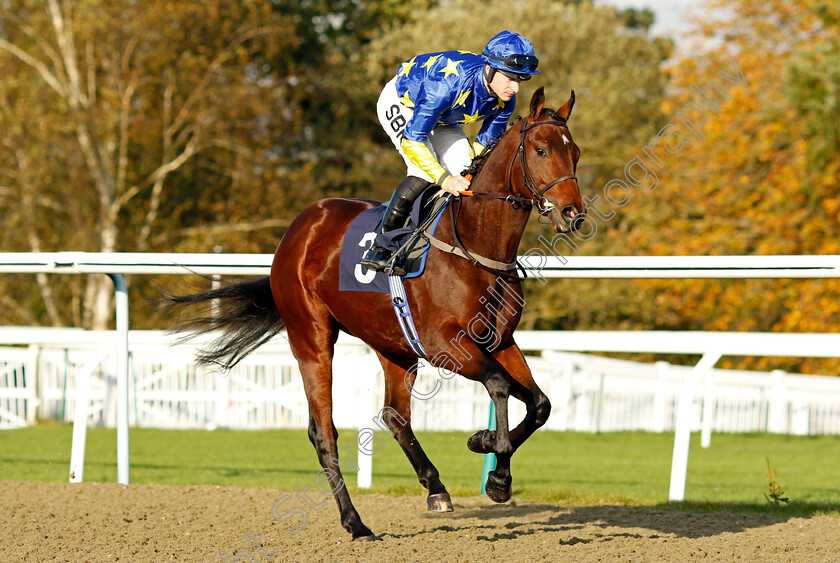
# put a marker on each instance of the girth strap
(474, 258)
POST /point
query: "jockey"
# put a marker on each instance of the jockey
(423, 108)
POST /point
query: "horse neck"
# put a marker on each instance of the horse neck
(487, 226)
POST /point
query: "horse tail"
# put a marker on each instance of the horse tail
(244, 312)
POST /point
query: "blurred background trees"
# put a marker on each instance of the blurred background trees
(764, 181)
(209, 124)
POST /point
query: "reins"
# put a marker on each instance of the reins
(458, 249)
(517, 201)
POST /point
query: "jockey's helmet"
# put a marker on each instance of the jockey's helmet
(512, 55)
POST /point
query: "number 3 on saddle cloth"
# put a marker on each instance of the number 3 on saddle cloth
(360, 235)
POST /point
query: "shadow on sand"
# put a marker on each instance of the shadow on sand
(686, 520)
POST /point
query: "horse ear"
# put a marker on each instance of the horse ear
(537, 103)
(566, 109)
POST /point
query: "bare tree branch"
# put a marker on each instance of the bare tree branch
(240, 36)
(12, 304)
(216, 230)
(42, 69)
(91, 72)
(160, 172)
(67, 49)
(39, 41)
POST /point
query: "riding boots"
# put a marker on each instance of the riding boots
(376, 257)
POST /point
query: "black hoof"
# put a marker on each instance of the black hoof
(482, 442)
(497, 488)
(439, 503)
(371, 537)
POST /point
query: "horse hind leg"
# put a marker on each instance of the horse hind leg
(323, 436)
(396, 414)
(313, 348)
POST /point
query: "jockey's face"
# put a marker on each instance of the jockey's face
(504, 86)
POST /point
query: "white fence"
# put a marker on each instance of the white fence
(539, 264)
(588, 393)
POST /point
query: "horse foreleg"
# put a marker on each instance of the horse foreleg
(499, 480)
(524, 388)
(399, 380)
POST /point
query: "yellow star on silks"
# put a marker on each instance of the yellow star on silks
(470, 118)
(406, 67)
(451, 68)
(499, 104)
(461, 99)
(406, 101)
(430, 61)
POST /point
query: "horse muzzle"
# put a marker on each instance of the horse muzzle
(567, 219)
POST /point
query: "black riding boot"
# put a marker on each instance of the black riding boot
(376, 257)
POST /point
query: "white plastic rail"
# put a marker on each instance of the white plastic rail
(541, 262)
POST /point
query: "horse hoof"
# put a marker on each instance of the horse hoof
(482, 442)
(371, 537)
(497, 489)
(439, 503)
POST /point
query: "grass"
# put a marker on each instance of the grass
(627, 468)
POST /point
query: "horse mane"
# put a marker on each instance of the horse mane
(553, 114)
(478, 161)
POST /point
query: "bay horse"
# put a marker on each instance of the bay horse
(532, 165)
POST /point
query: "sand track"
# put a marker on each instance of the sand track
(109, 522)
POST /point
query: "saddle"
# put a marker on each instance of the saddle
(405, 241)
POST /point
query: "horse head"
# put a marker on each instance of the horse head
(548, 158)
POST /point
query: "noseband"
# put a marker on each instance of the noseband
(540, 201)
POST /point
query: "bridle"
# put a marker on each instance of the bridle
(515, 200)
(540, 202)
(544, 207)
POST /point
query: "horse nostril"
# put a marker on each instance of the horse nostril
(573, 217)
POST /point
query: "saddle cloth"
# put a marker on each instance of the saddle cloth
(361, 234)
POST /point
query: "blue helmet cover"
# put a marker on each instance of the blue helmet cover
(508, 43)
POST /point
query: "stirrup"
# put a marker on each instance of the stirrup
(375, 258)
(379, 259)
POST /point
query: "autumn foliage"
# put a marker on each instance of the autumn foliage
(763, 181)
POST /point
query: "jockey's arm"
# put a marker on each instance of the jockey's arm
(427, 112)
(492, 127)
(420, 155)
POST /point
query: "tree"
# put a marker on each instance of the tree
(112, 102)
(336, 136)
(189, 126)
(762, 180)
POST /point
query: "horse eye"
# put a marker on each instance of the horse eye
(541, 151)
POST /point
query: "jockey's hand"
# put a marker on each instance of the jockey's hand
(455, 184)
